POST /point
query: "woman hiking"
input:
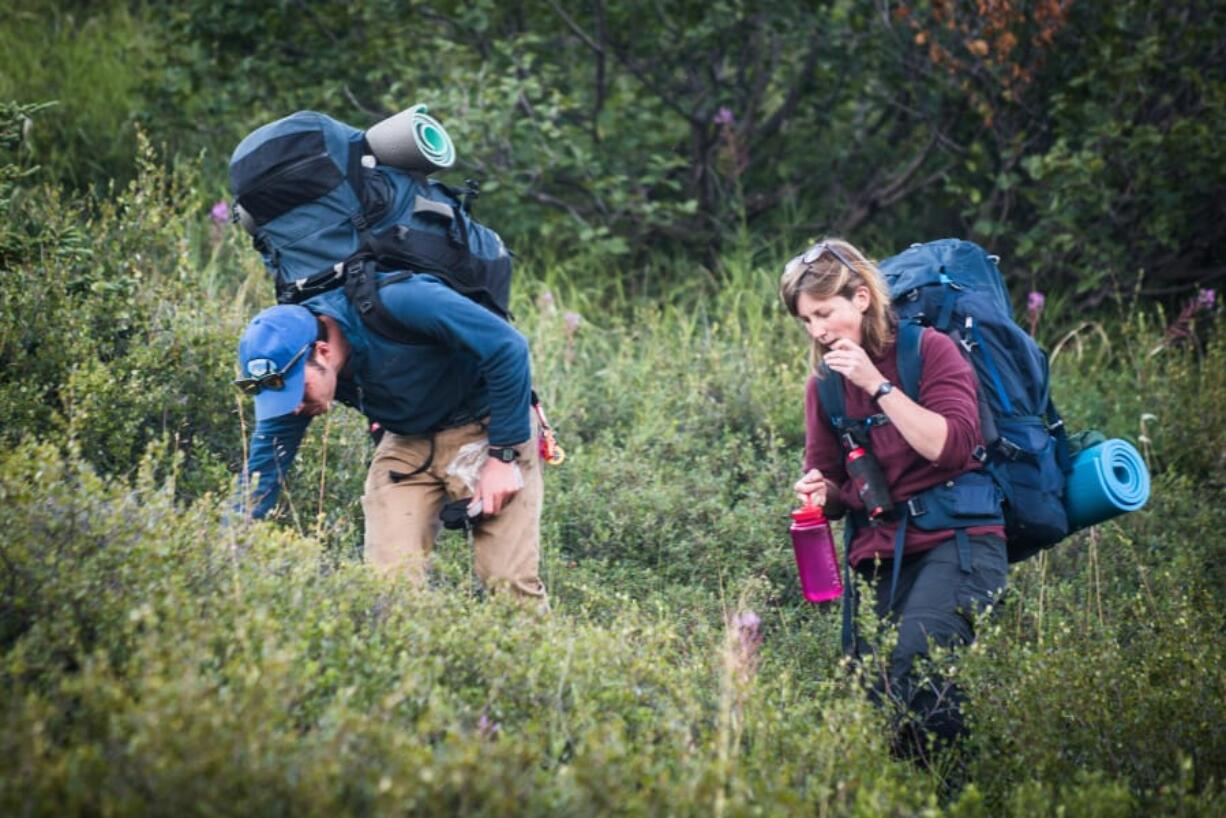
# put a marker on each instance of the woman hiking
(933, 553)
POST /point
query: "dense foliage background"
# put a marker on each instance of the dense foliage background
(653, 164)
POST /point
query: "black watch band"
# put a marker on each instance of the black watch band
(883, 390)
(507, 454)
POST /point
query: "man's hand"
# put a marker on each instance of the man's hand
(851, 361)
(497, 484)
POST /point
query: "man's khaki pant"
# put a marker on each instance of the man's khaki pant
(402, 512)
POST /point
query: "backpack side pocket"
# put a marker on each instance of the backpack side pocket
(1025, 465)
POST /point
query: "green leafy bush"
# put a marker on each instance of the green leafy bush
(157, 660)
(105, 334)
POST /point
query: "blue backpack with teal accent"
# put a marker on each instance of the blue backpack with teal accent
(956, 288)
(323, 214)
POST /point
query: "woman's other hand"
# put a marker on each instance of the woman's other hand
(811, 489)
(849, 359)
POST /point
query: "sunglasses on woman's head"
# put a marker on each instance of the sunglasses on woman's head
(273, 379)
(817, 251)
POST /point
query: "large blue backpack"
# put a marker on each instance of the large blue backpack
(956, 288)
(323, 214)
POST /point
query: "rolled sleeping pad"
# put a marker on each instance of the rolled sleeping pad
(1106, 481)
(412, 140)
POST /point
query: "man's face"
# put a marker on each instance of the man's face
(320, 388)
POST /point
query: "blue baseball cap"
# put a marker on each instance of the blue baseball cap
(272, 357)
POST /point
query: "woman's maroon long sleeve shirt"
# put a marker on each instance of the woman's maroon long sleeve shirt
(947, 387)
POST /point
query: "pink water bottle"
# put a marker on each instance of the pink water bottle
(816, 561)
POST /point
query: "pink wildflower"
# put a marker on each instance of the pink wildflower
(1034, 305)
(220, 214)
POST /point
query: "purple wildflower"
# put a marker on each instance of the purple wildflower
(1180, 329)
(724, 116)
(486, 728)
(1034, 305)
(545, 303)
(572, 320)
(220, 214)
(747, 621)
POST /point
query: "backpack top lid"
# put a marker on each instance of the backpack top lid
(300, 136)
(297, 190)
(955, 287)
(963, 263)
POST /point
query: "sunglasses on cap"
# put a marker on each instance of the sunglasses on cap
(817, 251)
(273, 379)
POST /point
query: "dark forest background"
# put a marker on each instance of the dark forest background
(1079, 140)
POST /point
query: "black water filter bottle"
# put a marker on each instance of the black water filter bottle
(869, 480)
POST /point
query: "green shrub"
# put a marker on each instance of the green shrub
(167, 663)
(105, 337)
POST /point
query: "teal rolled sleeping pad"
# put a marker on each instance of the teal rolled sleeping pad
(1106, 481)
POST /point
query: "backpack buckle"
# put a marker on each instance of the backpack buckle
(980, 453)
(917, 507)
(1007, 448)
(967, 339)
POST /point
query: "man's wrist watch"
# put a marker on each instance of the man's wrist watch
(885, 389)
(507, 454)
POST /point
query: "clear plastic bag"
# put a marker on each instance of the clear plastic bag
(466, 467)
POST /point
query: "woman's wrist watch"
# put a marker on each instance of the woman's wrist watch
(884, 389)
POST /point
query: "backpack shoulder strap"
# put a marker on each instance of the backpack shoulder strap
(910, 357)
(830, 392)
(362, 289)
